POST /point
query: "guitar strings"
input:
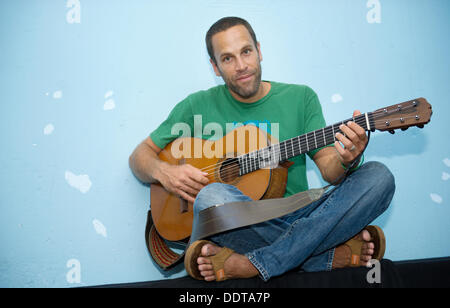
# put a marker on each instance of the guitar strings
(276, 152)
(296, 141)
(231, 168)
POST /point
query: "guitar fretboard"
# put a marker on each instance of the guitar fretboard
(275, 153)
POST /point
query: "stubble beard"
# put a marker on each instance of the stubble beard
(248, 91)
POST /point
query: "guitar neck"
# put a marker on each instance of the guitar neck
(275, 153)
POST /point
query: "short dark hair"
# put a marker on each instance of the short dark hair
(224, 24)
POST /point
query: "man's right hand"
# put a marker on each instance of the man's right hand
(182, 180)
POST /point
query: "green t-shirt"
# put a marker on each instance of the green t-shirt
(296, 109)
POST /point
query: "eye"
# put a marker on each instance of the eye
(226, 59)
(247, 51)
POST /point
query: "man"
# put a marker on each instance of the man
(312, 237)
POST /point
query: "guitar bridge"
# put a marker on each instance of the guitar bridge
(183, 206)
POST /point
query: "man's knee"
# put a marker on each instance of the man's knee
(210, 195)
(383, 181)
(217, 193)
(381, 173)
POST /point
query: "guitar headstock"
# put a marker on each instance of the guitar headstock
(416, 112)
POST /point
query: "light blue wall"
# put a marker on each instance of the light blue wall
(76, 98)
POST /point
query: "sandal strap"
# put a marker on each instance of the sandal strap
(218, 261)
(355, 247)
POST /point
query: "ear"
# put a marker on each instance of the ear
(259, 51)
(216, 70)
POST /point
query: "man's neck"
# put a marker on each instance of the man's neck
(263, 90)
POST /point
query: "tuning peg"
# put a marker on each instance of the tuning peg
(392, 132)
(420, 126)
(404, 128)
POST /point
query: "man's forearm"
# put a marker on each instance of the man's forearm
(334, 169)
(144, 163)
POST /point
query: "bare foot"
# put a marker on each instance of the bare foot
(236, 266)
(343, 254)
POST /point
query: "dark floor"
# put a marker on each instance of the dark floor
(425, 273)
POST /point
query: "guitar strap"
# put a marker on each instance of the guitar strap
(220, 218)
(161, 253)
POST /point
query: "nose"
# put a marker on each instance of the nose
(240, 64)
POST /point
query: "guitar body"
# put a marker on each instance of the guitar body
(173, 215)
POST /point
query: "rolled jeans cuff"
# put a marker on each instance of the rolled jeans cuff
(262, 271)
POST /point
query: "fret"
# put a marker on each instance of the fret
(324, 139)
(260, 158)
(262, 162)
(285, 151)
(311, 139)
(315, 140)
(252, 161)
(276, 153)
(299, 145)
(245, 157)
(292, 146)
(270, 157)
(307, 145)
(240, 165)
(271, 154)
(367, 121)
(334, 135)
(266, 151)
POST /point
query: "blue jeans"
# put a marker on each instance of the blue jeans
(306, 238)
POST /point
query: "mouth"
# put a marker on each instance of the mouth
(245, 78)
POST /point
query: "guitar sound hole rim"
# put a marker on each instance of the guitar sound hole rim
(228, 171)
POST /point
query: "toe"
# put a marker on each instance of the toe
(202, 260)
(209, 250)
(210, 277)
(365, 235)
(366, 257)
(368, 245)
(205, 267)
(207, 274)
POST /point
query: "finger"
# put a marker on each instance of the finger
(198, 175)
(193, 186)
(185, 196)
(341, 151)
(349, 133)
(356, 113)
(345, 141)
(185, 185)
(357, 129)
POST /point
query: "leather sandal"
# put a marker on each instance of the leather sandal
(217, 261)
(355, 245)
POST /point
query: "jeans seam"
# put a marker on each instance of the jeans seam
(289, 232)
(262, 271)
(330, 259)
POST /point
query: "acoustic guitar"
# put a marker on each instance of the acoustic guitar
(256, 163)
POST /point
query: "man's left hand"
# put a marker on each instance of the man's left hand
(354, 141)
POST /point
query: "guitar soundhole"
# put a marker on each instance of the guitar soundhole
(229, 170)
